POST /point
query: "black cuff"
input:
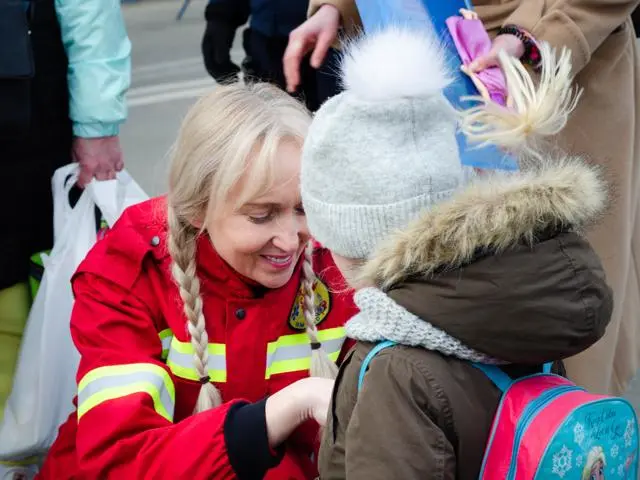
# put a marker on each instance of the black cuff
(245, 433)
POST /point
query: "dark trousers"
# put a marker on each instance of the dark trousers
(29, 157)
(264, 63)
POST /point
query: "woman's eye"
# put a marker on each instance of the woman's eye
(259, 219)
(300, 210)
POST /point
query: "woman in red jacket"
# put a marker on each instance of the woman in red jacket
(199, 316)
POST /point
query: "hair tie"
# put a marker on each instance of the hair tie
(204, 380)
(316, 345)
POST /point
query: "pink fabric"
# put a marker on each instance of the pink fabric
(472, 41)
(500, 446)
(541, 430)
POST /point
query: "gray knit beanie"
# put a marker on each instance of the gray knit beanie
(383, 150)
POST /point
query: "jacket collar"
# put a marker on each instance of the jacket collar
(495, 212)
(380, 318)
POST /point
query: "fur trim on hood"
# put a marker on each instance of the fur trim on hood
(495, 212)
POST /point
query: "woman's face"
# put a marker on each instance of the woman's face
(263, 239)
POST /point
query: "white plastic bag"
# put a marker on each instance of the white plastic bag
(45, 379)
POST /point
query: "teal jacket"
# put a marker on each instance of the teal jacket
(99, 75)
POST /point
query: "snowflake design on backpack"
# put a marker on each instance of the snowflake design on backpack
(562, 462)
(614, 451)
(578, 433)
(621, 470)
(579, 460)
(628, 433)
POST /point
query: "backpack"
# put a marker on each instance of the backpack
(546, 427)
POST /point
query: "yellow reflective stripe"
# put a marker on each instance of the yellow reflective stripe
(295, 365)
(180, 361)
(165, 338)
(187, 348)
(189, 373)
(303, 339)
(21, 463)
(117, 381)
(292, 353)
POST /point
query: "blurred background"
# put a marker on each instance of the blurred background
(168, 75)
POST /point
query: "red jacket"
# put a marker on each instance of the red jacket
(137, 386)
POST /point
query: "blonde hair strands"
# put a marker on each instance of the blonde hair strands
(538, 109)
(222, 133)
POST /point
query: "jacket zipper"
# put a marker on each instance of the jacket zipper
(528, 416)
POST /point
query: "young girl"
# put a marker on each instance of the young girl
(200, 315)
(605, 59)
(493, 272)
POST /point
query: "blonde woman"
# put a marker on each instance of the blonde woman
(200, 316)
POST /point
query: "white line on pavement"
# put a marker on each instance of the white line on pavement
(168, 96)
(156, 67)
(170, 87)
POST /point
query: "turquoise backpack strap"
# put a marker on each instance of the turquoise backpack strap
(367, 360)
(496, 375)
(501, 379)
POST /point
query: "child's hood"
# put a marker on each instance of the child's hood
(502, 269)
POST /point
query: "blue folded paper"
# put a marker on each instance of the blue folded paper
(432, 14)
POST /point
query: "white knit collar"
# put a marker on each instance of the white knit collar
(381, 318)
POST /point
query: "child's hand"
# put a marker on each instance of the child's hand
(511, 44)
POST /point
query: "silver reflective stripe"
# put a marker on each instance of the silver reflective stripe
(185, 360)
(117, 385)
(295, 352)
(180, 361)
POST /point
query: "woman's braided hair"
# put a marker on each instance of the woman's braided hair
(218, 136)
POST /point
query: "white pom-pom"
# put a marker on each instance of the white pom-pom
(395, 63)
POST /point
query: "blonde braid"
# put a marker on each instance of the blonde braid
(321, 364)
(182, 247)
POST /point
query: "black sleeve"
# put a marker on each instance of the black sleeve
(232, 12)
(245, 433)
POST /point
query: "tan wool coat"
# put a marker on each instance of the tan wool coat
(605, 129)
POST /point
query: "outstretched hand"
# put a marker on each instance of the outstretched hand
(306, 399)
(317, 34)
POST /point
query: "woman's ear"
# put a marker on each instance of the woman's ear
(199, 222)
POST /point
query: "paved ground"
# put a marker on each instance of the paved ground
(167, 76)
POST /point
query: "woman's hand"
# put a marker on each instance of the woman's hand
(511, 44)
(318, 34)
(303, 400)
